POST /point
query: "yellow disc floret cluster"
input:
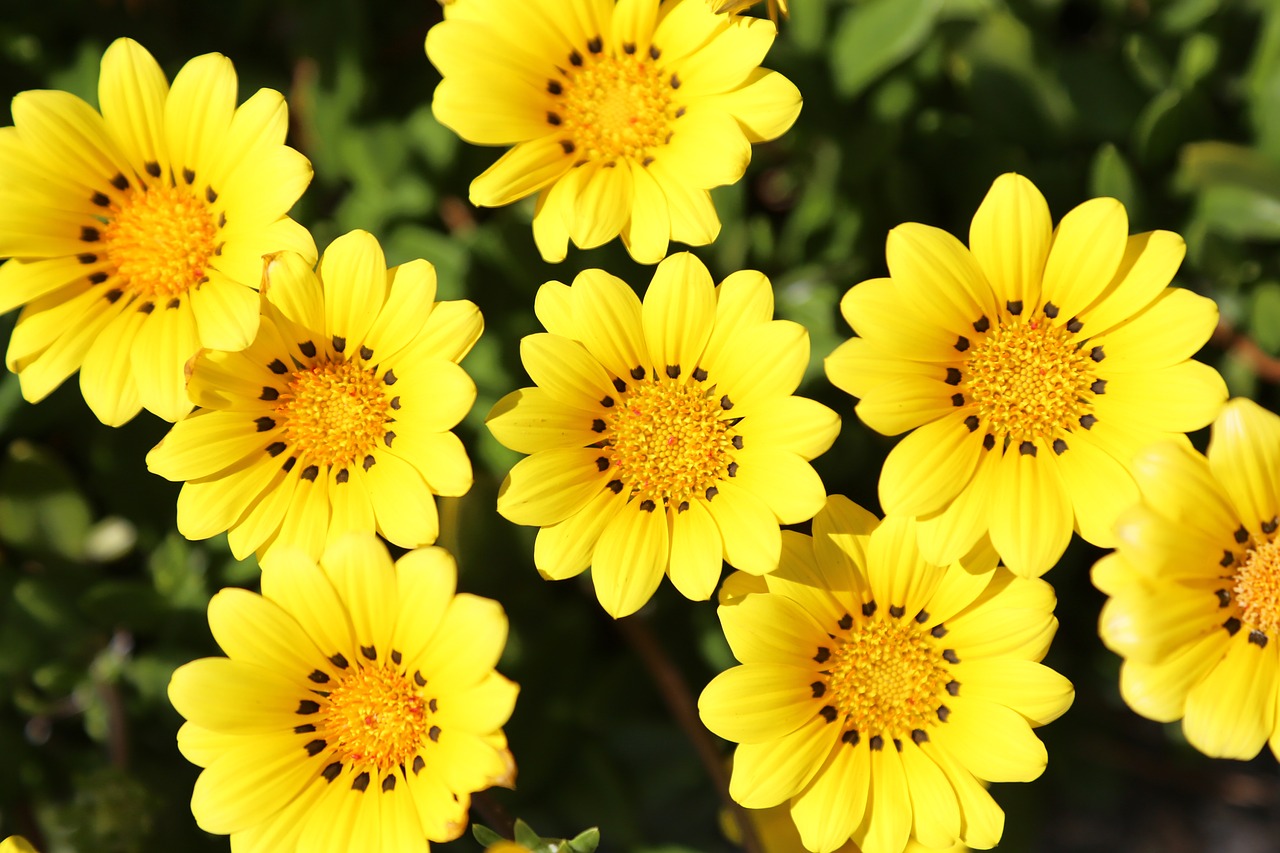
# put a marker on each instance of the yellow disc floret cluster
(375, 716)
(160, 241)
(670, 441)
(334, 412)
(885, 678)
(612, 107)
(1028, 380)
(1257, 589)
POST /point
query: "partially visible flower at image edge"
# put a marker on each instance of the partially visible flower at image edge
(136, 235)
(1194, 586)
(16, 844)
(878, 691)
(664, 435)
(622, 116)
(357, 708)
(1028, 368)
(337, 418)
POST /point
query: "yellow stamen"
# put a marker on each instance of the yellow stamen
(613, 107)
(334, 412)
(670, 440)
(160, 241)
(1257, 588)
(375, 715)
(1028, 380)
(886, 678)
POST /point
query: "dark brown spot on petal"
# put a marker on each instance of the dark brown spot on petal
(1059, 446)
(315, 747)
(1087, 421)
(982, 324)
(361, 782)
(1232, 625)
(278, 367)
(434, 733)
(265, 423)
(1258, 638)
(867, 609)
(332, 771)
(269, 393)
(828, 713)
(1014, 307)
(819, 688)
(953, 376)
(950, 656)
(1027, 448)
(648, 505)
(89, 234)
(876, 743)
(823, 654)
(318, 676)
(308, 706)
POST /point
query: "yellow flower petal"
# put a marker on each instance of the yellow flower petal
(629, 560)
(1231, 712)
(1169, 330)
(606, 319)
(522, 171)
(678, 312)
(1010, 237)
(930, 466)
(696, 552)
(765, 105)
(1243, 455)
(748, 527)
(564, 550)
(831, 807)
(354, 275)
(1149, 263)
(1031, 516)
(772, 629)
(935, 811)
(1159, 690)
(251, 781)
(1086, 252)
(550, 486)
(765, 774)
(992, 741)
(938, 277)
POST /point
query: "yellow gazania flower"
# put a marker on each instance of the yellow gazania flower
(1194, 585)
(137, 235)
(16, 844)
(877, 690)
(337, 417)
(777, 8)
(357, 707)
(622, 115)
(664, 436)
(1031, 366)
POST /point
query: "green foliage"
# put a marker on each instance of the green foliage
(912, 108)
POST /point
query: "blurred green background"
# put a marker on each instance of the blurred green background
(912, 108)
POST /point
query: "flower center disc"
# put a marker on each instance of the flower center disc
(1028, 380)
(669, 441)
(334, 412)
(1257, 589)
(885, 678)
(160, 241)
(375, 715)
(615, 107)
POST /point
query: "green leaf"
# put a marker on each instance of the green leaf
(1264, 318)
(1146, 63)
(41, 508)
(1110, 175)
(586, 841)
(875, 36)
(1198, 58)
(526, 836)
(484, 835)
(1181, 16)
(1263, 85)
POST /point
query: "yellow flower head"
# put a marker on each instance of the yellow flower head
(16, 844)
(1195, 586)
(337, 417)
(137, 235)
(664, 435)
(622, 115)
(357, 707)
(1030, 368)
(878, 690)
